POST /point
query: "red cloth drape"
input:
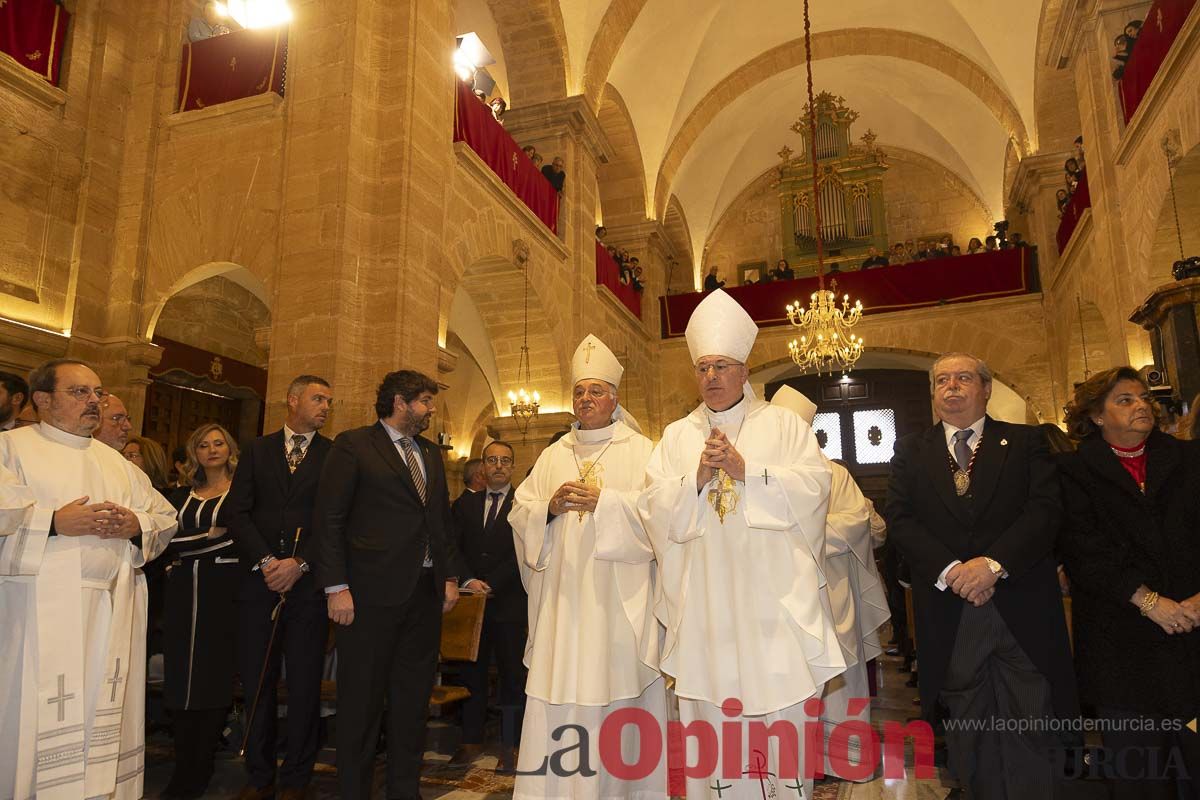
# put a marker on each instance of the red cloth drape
(33, 32)
(608, 273)
(983, 276)
(475, 125)
(239, 64)
(1161, 26)
(1072, 211)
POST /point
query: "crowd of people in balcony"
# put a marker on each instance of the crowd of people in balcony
(1073, 173)
(555, 171)
(1123, 46)
(211, 22)
(630, 266)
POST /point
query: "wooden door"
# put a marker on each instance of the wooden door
(173, 412)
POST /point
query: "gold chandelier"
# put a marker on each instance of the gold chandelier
(524, 405)
(826, 342)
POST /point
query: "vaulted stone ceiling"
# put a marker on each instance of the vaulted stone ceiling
(711, 86)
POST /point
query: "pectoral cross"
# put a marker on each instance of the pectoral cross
(62, 698)
(588, 477)
(116, 680)
(723, 497)
(587, 351)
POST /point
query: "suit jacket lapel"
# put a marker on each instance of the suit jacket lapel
(937, 464)
(1098, 454)
(387, 449)
(989, 463)
(277, 459)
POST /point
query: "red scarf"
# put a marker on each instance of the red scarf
(1134, 462)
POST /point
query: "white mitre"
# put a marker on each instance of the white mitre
(720, 327)
(593, 360)
(792, 400)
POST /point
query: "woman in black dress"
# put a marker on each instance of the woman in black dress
(201, 627)
(1131, 543)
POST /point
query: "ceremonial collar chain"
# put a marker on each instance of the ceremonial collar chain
(962, 478)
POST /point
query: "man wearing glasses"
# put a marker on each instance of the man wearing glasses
(486, 541)
(736, 505)
(72, 599)
(115, 425)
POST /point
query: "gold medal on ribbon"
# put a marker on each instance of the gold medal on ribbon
(962, 482)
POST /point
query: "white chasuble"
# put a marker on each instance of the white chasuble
(743, 599)
(859, 605)
(72, 679)
(593, 641)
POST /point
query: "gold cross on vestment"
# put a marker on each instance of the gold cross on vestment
(723, 497)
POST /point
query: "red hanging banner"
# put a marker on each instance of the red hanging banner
(33, 32)
(229, 67)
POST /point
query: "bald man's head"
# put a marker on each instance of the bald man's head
(115, 426)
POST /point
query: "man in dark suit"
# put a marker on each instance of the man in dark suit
(473, 479)
(270, 506)
(973, 505)
(486, 541)
(389, 566)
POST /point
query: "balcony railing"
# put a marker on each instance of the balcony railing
(962, 279)
(475, 125)
(1162, 25)
(1080, 201)
(608, 274)
(233, 66)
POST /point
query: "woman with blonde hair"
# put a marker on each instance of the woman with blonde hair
(148, 456)
(201, 623)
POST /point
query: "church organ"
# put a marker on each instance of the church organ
(849, 192)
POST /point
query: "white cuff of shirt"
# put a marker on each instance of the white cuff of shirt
(336, 589)
(941, 581)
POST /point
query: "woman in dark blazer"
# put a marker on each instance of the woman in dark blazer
(1132, 551)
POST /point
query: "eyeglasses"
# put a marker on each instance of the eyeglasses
(719, 368)
(595, 392)
(501, 460)
(83, 392)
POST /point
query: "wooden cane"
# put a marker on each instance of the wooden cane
(262, 676)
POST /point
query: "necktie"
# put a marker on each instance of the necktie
(419, 480)
(296, 454)
(962, 450)
(491, 516)
(418, 477)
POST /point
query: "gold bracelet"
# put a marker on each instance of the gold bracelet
(1149, 602)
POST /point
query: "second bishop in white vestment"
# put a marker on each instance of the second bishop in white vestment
(856, 596)
(73, 620)
(593, 641)
(741, 581)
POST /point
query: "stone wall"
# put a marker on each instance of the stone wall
(219, 316)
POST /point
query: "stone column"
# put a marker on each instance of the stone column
(368, 158)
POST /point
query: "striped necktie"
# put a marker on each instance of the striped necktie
(413, 467)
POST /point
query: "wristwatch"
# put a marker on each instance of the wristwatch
(995, 567)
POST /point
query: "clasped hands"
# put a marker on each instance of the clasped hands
(281, 574)
(973, 581)
(719, 453)
(1176, 617)
(105, 520)
(574, 496)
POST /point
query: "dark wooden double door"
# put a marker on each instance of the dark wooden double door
(173, 412)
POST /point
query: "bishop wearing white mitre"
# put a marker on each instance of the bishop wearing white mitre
(587, 565)
(856, 596)
(736, 511)
(72, 599)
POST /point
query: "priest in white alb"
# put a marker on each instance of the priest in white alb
(856, 596)
(72, 599)
(587, 565)
(735, 507)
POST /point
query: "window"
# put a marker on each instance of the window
(874, 435)
(827, 427)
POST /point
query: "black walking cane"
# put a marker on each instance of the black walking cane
(262, 676)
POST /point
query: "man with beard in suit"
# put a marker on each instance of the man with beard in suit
(973, 504)
(485, 540)
(387, 560)
(270, 507)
